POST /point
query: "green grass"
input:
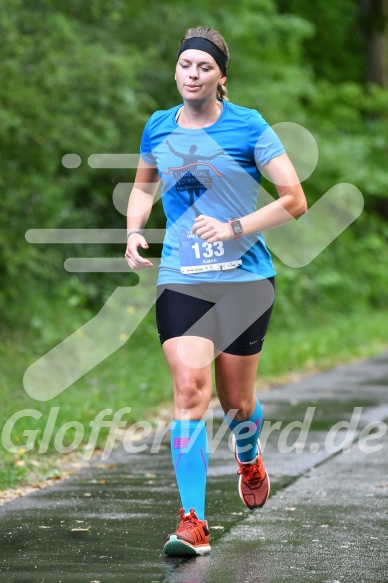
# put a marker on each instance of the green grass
(136, 376)
(322, 342)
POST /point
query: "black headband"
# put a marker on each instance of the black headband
(203, 44)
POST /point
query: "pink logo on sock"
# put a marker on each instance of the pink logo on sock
(181, 442)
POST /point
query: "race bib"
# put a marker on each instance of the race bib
(198, 256)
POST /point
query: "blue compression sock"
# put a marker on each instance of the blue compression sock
(247, 445)
(189, 448)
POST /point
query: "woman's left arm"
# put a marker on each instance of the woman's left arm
(290, 205)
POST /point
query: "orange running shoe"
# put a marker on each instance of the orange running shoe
(253, 485)
(191, 537)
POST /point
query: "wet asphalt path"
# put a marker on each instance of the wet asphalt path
(326, 520)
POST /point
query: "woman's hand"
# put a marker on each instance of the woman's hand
(132, 257)
(212, 230)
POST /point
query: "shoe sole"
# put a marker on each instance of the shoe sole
(176, 547)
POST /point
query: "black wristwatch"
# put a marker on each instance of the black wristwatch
(236, 228)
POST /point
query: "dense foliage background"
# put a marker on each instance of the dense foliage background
(84, 77)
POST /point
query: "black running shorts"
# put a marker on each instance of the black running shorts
(235, 316)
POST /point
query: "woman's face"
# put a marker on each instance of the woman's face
(197, 75)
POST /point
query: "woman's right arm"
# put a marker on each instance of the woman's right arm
(139, 209)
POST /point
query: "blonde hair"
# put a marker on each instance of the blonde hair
(215, 37)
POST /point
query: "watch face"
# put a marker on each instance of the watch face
(237, 228)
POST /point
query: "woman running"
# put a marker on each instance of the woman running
(216, 278)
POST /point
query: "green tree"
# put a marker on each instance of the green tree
(84, 77)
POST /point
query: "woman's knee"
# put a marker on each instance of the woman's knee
(189, 391)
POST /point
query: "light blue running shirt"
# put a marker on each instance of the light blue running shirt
(210, 171)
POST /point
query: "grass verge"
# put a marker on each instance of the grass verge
(135, 377)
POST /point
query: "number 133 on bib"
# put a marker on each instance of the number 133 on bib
(198, 256)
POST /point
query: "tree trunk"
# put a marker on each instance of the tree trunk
(374, 19)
